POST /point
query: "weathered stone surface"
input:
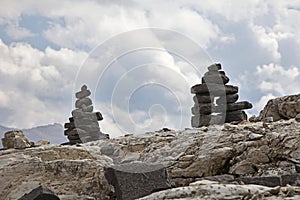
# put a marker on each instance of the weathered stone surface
(235, 116)
(40, 193)
(15, 139)
(227, 191)
(84, 101)
(202, 98)
(230, 98)
(214, 89)
(215, 78)
(286, 107)
(83, 94)
(270, 181)
(65, 170)
(208, 109)
(136, 179)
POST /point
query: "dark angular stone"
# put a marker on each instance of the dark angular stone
(196, 108)
(230, 98)
(85, 101)
(214, 67)
(297, 168)
(69, 125)
(237, 116)
(291, 179)
(99, 116)
(135, 180)
(207, 109)
(71, 119)
(214, 89)
(40, 193)
(220, 178)
(199, 98)
(270, 181)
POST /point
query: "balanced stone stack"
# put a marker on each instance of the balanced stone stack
(83, 126)
(215, 101)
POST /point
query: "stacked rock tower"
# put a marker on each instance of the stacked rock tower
(83, 125)
(215, 101)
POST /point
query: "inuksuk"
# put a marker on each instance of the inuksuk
(215, 101)
(83, 125)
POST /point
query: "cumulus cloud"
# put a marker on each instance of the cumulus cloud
(247, 37)
(34, 87)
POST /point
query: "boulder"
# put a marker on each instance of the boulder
(230, 98)
(215, 78)
(286, 107)
(84, 101)
(214, 89)
(135, 180)
(40, 193)
(208, 108)
(214, 67)
(15, 139)
(83, 94)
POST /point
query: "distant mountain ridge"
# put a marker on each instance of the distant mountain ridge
(51, 132)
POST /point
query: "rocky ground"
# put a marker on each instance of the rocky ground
(244, 161)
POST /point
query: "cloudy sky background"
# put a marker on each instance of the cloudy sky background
(46, 50)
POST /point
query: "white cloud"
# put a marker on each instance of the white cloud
(16, 32)
(34, 88)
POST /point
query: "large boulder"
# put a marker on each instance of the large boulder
(15, 139)
(286, 107)
(67, 171)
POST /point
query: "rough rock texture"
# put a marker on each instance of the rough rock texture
(15, 140)
(247, 149)
(40, 193)
(253, 153)
(64, 170)
(136, 179)
(214, 190)
(286, 107)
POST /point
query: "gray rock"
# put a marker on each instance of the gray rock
(286, 107)
(202, 98)
(270, 181)
(214, 89)
(135, 180)
(214, 67)
(215, 78)
(83, 94)
(15, 139)
(235, 116)
(230, 98)
(297, 118)
(40, 193)
(85, 101)
(290, 179)
(208, 109)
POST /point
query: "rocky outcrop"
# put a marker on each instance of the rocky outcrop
(215, 190)
(15, 140)
(263, 156)
(286, 107)
(68, 171)
(215, 101)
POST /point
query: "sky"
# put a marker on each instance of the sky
(140, 58)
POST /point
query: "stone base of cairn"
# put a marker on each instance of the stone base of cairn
(83, 125)
(215, 101)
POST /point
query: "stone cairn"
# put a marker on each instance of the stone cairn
(215, 102)
(83, 126)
